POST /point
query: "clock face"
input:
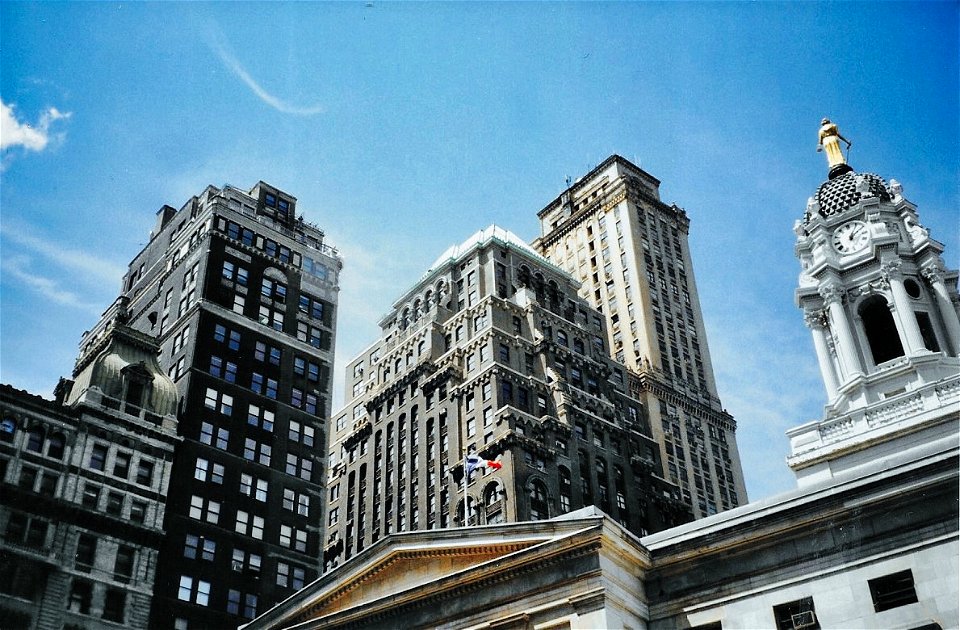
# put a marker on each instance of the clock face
(851, 237)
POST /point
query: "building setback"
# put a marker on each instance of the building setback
(491, 353)
(241, 294)
(83, 484)
(629, 250)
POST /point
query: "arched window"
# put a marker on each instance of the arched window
(492, 493)
(880, 329)
(35, 440)
(55, 445)
(537, 492)
(8, 429)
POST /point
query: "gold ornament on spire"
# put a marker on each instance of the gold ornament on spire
(829, 140)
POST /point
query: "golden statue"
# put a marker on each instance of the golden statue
(830, 140)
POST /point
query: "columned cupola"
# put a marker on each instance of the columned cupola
(880, 304)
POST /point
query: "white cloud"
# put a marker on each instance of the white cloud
(14, 133)
(100, 270)
(17, 267)
(218, 44)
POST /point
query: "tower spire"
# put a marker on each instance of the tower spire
(829, 141)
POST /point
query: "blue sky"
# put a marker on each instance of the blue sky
(403, 128)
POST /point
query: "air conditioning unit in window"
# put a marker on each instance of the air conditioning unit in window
(805, 619)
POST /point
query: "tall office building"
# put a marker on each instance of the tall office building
(241, 294)
(83, 482)
(630, 252)
(491, 356)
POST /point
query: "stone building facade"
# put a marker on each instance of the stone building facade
(491, 353)
(631, 254)
(84, 480)
(242, 295)
(868, 539)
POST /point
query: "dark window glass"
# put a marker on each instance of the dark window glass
(892, 591)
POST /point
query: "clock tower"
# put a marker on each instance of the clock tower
(882, 309)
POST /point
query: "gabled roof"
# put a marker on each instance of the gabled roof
(423, 567)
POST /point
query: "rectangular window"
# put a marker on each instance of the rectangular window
(892, 591)
(114, 603)
(145, 473)
(86, 552)
(796, 614)
(121, 465)
(98, 457)
(123, 564)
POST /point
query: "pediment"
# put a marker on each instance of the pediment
(404, 568)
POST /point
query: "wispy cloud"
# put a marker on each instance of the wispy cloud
(15, 133)
(217, 42)
(90, 266)
(18, 266)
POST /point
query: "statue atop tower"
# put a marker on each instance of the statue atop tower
(829, 140)
(883, 311)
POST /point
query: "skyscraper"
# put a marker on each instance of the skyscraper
(84, 479)
(491, 357)
(242, 295)
(611, 231)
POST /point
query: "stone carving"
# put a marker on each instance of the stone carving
(831, 293)
(933, 272)
(890, 269)
(917, 232)
(815, 318)
(897, 189)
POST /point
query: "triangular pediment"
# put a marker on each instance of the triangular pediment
(408, 566)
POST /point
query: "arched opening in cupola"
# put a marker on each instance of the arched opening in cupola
(880, 329)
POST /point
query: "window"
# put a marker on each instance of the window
(80, 595)
(299, 466)
(504, 353)
(218, 401)
(199, 548)
(138, 511)
(257, 451)
(91, 496)
(123, 564)
(796, 615)
(880, 329)
(114, 603)
(121, 465)
(892, 591)
(271, 317)
(249, 525)
(215, 436)
(301, 433)
(293, 538)
(7, 429)
(98, 457)
(253, 487)
(204, 509)
(299, 502)
(196, 591)
(232, 271)
(86, 552)
(114, 504)
(245, 562)
(145, 473)
(35, 440)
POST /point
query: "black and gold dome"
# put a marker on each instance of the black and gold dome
(840, 193)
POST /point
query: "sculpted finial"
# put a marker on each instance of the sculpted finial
(829, 141)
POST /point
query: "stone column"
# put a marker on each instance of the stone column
(902, 310)
(934, 275)
(816, 322)
(832, 295)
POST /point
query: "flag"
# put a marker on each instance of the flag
(475, 461)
